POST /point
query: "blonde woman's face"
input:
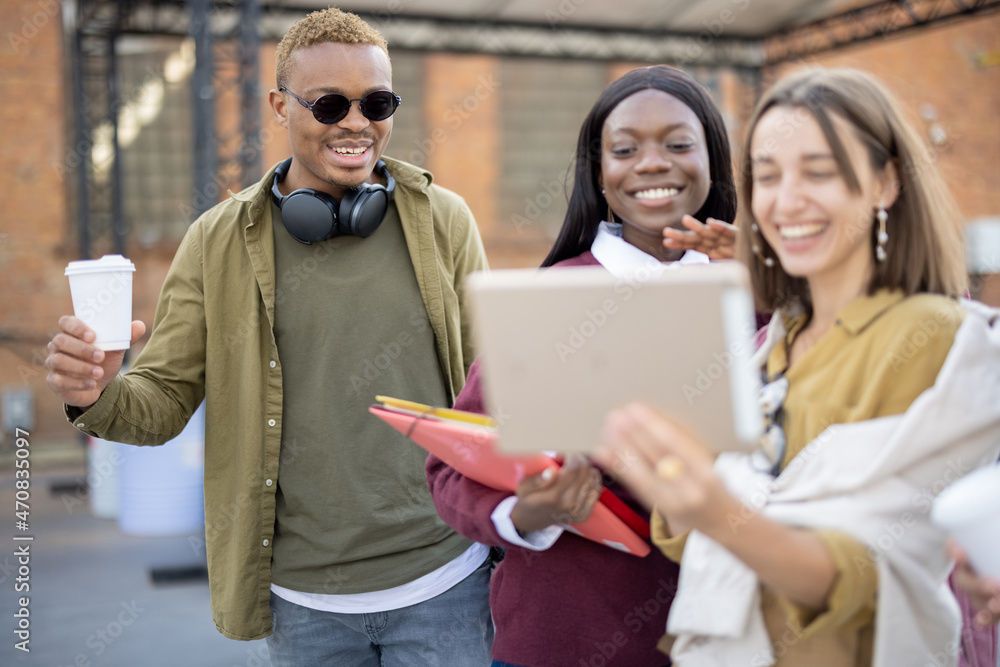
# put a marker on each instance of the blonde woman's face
(803, 206)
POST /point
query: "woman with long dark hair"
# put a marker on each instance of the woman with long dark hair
(652, 152)
(588, 202)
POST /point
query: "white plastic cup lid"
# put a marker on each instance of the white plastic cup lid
(970, 501)
(108, 263)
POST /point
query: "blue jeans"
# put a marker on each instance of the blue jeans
(454, 628)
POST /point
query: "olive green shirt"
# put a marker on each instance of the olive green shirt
(213, 338)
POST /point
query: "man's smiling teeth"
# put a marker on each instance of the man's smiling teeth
(350, 151)
(794, 232)
(656, 193)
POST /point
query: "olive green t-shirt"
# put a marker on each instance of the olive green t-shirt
(353, 512)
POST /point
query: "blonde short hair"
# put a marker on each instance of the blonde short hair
(327, 25)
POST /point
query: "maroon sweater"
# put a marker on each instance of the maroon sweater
(576, 604)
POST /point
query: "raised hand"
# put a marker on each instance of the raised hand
(715, 238)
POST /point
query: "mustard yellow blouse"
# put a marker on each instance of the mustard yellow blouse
(883, 351)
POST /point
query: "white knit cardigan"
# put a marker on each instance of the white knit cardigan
(873, 480)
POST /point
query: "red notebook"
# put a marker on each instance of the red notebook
(466, 442)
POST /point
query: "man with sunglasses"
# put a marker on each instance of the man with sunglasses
(288, 307)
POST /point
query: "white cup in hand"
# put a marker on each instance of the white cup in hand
(102, 298)
(969, 510)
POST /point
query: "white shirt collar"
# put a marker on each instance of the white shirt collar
(623, 259)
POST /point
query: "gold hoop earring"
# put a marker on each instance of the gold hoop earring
(611, 214)
(883, 235)
(755, 247)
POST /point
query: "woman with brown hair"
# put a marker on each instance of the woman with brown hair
(880, 387)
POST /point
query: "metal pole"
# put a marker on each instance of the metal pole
(203, 107)
(82, 145)
(119, 229)
(250, 150)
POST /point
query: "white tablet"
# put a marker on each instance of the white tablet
(562, 347)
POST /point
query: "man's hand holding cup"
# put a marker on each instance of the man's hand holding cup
(87, 352)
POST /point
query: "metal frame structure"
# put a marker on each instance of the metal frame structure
(228, 33)
(226, 60)
(863, 24)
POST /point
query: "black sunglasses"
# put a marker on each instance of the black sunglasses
(333, 108)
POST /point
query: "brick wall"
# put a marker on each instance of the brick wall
(461, 113)
(36, 236)
(948, 78)
(479, 123)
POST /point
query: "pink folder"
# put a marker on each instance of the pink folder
(470, 449)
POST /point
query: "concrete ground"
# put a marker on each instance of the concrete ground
(93, 601)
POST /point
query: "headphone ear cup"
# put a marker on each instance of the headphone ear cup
(363, 210)
(309, 216)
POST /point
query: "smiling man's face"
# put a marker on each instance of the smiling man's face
(341, 156)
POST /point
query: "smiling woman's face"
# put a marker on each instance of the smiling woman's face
(816, 224)
(654, 162)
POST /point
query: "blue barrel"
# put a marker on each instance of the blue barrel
(104, 458)
(161, 489)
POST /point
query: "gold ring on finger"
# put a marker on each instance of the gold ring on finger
(669, 468)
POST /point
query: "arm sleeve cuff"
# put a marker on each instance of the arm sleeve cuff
(90, 420)
(671, 546)
(539, 540)
(851, 603)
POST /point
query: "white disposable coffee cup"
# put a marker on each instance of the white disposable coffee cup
(102, 298)
(969, 509)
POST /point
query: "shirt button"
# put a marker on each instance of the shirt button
(79, 424)
(268, 482)
(273, 364)
(266, 542)
(270, 422)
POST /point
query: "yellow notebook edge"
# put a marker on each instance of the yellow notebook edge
(413, 407)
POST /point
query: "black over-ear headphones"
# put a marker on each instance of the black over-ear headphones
(311, 216)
